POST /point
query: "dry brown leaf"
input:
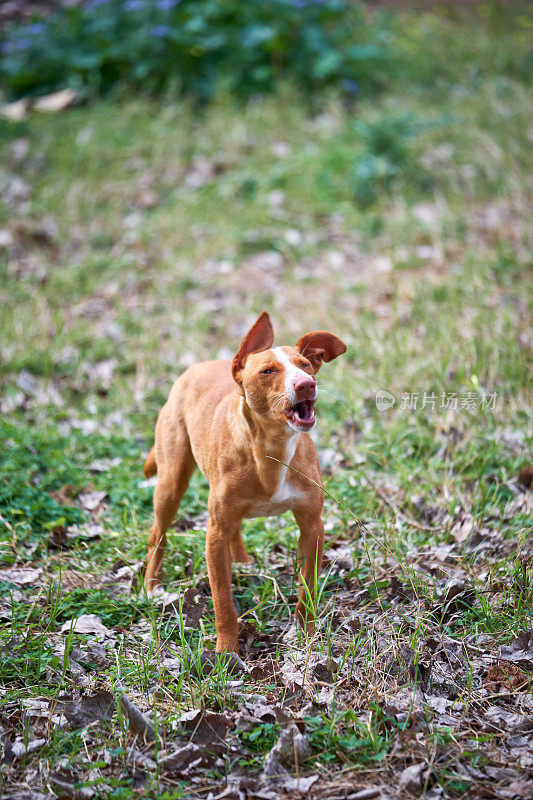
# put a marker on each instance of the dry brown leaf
(520, 651)
(82, 711)
(413, 777)
(184, 759)
(506, 676)
(87, 623)
(204, 727)
(22, 576)
(139, 723)
(90, 500)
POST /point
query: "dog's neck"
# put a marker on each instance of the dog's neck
(271, 447)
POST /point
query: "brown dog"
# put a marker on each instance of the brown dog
(242, 424)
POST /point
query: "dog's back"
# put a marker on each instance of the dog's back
(191, 404)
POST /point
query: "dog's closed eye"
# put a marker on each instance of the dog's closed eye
(266, 371)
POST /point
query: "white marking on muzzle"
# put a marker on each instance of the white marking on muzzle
(292, 373)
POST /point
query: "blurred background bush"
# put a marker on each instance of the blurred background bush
(198, 46)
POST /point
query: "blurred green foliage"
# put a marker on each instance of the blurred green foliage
(385, 156)
(199, 45)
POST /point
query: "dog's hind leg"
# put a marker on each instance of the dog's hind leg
(238, 550)
(174, 474)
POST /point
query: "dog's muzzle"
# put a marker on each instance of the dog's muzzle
(301, 415)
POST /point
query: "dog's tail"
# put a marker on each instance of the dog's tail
(150, 467)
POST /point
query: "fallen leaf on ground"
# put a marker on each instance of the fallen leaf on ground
(463, 527)
(66, 789)
(87, 623)
(498, 719)
(87, 531)
(506, 676)
(292, 746)
(187, 523)
(517, 790)
(205, 727)
(455, 595)
(82, 711)
(22, 576)
(90, 500)
(119, 579)
(520, 651)
(20, 748)
(300, 784)
(179, 762)
(191, 603)
(139, 723)
(412, 778)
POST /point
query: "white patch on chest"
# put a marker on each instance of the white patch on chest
(284, 491)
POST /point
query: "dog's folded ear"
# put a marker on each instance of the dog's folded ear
(260, 337)
(319, 346)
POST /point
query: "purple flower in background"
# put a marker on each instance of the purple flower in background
(95, 3)
(350, 85)
(22, 44)
(134, 5)
(167, 5)
(160, 31)
(299, 3)
(37, 27)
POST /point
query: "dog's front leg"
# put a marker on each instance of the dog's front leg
(218, 557)
(310, 551)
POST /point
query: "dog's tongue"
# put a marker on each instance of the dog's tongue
(302, 413)
(303, 409)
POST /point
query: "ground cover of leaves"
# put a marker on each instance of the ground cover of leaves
(137, 237)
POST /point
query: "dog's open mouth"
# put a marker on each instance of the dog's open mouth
(301, 415)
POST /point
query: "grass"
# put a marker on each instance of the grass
(150, 238)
